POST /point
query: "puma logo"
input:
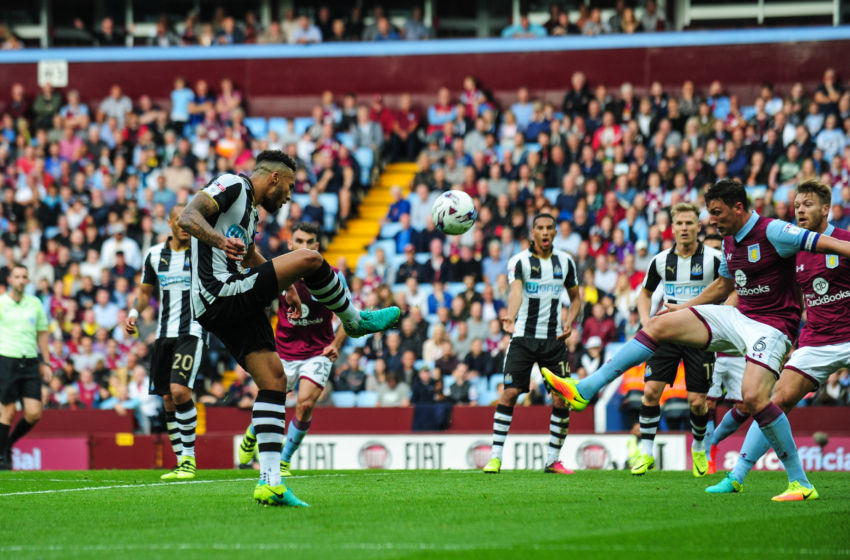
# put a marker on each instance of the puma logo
(535, 269)
(671, 269)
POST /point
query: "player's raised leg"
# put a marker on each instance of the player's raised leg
(325, 285)
(680, 327)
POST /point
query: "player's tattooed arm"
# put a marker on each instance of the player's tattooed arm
(194, 221)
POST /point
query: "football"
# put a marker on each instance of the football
(454, 212)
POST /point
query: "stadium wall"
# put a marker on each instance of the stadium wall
(382, 438)
(284, 80)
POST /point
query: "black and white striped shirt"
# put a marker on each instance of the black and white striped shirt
(172, 272)
(213, 274)
(543, 280)
(683, 278)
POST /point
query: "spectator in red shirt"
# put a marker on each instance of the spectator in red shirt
(403, 140)
(382, 115)
(599, 324)
(611, 208)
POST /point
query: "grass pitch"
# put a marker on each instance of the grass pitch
(418, 514)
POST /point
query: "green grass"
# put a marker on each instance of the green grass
(418, 514)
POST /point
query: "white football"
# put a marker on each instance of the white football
(454, 212)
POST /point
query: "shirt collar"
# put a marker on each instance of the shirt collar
(742, 233)
(829, 229)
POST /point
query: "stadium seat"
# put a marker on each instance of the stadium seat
(422, 258)
(360, 269)
(277, 124)
(487, 397)
(533, 147)
(495, 379)
(346, 139)
(389, 230)
(454, 288)
(366, 158)
(397, 260)
(551, 194)
(330, 202)
(301, 199)
(388, 245)
(344, 399)
(302, 124)
(257, 125)
(367, 399)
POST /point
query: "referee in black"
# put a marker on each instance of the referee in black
(23, 332)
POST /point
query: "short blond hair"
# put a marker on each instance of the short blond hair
(685, 207)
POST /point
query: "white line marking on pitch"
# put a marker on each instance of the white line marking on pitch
(224, 480)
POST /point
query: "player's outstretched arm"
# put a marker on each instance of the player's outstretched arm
(715, 292)
(194, 221)
(833, 246)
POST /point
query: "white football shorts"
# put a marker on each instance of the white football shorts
(732, 332)
(816, 363)
(317, 370)
(728, 375)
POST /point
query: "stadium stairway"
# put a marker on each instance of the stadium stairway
(354, 240)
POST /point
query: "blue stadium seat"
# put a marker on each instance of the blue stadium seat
(422, 258)
(397, 260)
(454, 288)
(485, 398)
(389, 230)
(748, 112)
(495, 379)
(366, 158)
(388, 245)
(302, 124)
(257, 125)
(346, 139)
(360, 269)
(367, 399)
(302, 199)
(551, 194)
(369, 368)
(277, 124)
(330, 202)
(344, 399)
(532, 146)
(448, 381)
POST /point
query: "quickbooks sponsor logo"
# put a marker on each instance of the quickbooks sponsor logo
(754, 291)
(812, 301)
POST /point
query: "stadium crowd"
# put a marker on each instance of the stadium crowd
(328, 24)
(87, 186)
